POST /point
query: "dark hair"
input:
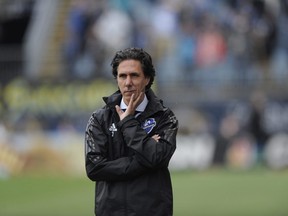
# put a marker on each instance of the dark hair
(136, 54)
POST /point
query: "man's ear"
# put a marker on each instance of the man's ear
(147, 80)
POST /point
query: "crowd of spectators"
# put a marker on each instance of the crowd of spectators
(224, 41)
(195, 42)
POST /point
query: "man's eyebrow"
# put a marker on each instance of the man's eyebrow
(135, 73)
(129, 73)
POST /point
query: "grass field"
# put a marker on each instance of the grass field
(211, 193)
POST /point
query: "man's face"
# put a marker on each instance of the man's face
(131, 79)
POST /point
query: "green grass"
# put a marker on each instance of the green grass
(210, 193)
(223, 193)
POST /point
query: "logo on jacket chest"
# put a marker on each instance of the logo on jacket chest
(148, 125)
(112, 129)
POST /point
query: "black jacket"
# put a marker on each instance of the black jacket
(130, 168)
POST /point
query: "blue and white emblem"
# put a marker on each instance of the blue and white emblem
(148, 125)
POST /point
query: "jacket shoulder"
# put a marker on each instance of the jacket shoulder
(169, 116)
(99, 114)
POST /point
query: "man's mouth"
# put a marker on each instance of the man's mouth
(130, 92)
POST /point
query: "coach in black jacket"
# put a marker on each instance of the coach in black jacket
(129, 143)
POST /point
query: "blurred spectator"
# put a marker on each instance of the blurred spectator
(280, 59)
(211, 47)
(263, 35)
(164, 24)
(229, 128)
(239, 43)
(256, 125)
(262, 31)
(187, 40)
(113, 28)
(78, 22)
(240, 153)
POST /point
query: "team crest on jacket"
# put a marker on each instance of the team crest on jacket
(148, 125)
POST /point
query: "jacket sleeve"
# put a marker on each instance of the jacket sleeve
(98, 167)
(150, 153)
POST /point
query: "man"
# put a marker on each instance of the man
(127, 153)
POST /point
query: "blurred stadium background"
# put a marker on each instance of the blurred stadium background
(221, 66)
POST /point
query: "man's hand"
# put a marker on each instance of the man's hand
(133, 104)
(156, 137)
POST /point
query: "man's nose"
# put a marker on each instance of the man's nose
(128, 81)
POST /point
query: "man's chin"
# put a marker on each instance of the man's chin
(128, 95)
(126, 99)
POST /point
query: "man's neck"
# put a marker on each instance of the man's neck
(141, 106)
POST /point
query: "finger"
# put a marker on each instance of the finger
(131, 100)
(118, 110)
(131, 107)
(156, 137)
(138, 99)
